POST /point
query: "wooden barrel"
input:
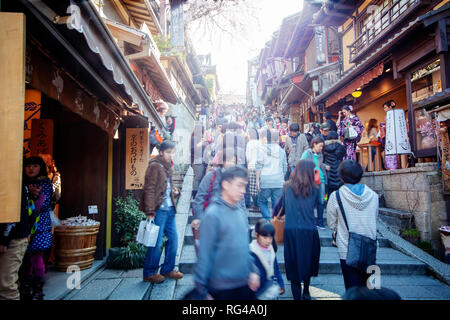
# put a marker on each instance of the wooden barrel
(75, 245)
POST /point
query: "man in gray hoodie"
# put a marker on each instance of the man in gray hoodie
(225, 267)
(271, 168)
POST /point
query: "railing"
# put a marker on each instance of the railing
(386, 19)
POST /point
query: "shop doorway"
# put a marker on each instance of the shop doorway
(80, 151)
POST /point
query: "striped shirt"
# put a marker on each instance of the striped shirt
(361, 213)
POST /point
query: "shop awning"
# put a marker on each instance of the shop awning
(286, 30)
(146, 56)
(142, 11)
(81, 31)
(359, 82)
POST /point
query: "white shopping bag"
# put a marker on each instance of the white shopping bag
(352, 134)
(148, 233)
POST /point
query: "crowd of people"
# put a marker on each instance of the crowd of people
(241, 162)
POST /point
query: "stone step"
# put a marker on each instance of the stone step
(331, 287)
(390, 261)
(326, 239)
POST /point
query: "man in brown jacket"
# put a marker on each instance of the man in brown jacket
(158, 203)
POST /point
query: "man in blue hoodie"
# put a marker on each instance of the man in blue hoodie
(225, 267)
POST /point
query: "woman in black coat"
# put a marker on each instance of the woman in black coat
(301, 238)
(333, 152)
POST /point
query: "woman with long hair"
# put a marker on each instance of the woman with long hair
(301, 238)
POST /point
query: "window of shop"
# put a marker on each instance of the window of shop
(425, 83)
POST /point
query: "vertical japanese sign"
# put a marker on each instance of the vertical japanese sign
(32, 111)
(396, 134)
(137, 156)
(42, 137)
(176, 23)
(320, 38)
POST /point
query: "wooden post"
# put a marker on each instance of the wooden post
(109, 195)
(12, 100)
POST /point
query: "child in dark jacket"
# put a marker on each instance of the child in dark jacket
(263, 250)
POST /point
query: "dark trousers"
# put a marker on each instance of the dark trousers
(297, 289)
(353, 277)
(242, 293)
(248, 199)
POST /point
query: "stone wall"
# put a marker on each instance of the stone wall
(417, 190)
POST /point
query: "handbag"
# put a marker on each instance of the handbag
(350, 133)
(278, 221)
(362, 250)
(148, 233)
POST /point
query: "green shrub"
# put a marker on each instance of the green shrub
(128, 218)
(411, 233)
(129, 257)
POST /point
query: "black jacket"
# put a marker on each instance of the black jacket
(333, 153)
(332, 124)
(21, 229)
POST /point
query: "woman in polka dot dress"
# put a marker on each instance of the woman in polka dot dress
(41, 234)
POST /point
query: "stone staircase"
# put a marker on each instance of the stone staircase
(390, 260)
(399, 272)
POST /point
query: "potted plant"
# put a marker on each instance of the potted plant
(130, 255)
(412, 235)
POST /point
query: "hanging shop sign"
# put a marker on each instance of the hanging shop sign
(396, 134)
(32, 111)
(137, 156)
(42, 137)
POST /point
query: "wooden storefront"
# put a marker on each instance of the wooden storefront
(84, 91)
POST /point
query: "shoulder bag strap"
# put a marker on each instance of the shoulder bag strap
(338, 197)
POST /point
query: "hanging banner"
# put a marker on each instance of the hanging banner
(396, 134)
(176, 24)
(320, 38)
(42, 137)
(137, 157)
(32, 111)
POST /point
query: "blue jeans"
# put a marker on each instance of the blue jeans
(165, 219)
(321, 204)
(263, 199)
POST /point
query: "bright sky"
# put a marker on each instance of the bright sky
(231, 55)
